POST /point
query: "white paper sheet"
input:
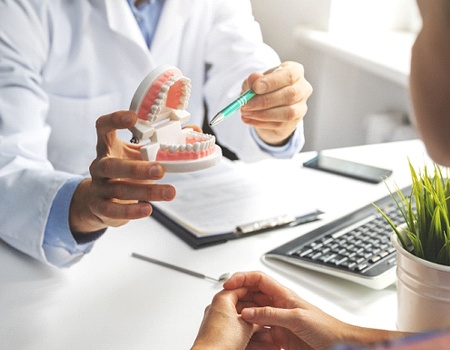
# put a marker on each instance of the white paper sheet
(217, 200)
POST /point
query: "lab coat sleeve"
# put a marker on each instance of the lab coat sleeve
(287, 151)
(60, 247)
(28, 181)
(235, 49)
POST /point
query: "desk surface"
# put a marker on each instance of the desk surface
(110, 300)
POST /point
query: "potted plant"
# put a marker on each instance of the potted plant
(423, 251)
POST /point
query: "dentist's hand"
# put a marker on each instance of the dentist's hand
(280, 104)
(120, 181)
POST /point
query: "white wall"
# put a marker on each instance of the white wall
(278, 19)
(344, 94)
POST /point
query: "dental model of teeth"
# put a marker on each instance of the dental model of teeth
(160, 102)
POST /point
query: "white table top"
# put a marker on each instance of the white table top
(110, 300)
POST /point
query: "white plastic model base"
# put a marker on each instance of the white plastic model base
(160, 102)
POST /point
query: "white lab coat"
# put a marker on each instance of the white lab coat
(64, 63)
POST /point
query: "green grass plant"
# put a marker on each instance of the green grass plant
(426, 232)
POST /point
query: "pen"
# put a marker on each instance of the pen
(278, 222)
(235, 105)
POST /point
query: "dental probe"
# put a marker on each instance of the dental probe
(222, 277)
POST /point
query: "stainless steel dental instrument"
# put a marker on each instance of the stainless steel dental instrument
(223, 277)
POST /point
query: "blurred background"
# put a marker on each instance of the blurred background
(356, 55)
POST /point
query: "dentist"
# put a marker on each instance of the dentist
(68, 71)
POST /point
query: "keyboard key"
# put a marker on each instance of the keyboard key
(341, 261)
(327, 240)
(375, 258)
(306, 252)
(361, 267)
(383, 253)
(316, 246)
(316, 256)
(327, 258)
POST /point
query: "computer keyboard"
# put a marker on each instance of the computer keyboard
(355, 247)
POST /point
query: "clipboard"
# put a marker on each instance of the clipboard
(240, 232)
(234, 200)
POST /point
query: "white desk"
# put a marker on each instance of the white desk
(112, 301)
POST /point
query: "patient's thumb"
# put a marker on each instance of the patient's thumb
(269, 316)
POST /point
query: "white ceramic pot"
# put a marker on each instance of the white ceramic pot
(423, 292)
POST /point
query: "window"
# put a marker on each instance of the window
(374, 15)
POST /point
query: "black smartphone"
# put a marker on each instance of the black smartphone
(346, 168)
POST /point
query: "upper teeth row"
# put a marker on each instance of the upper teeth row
(198, 136)
(160, 102)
